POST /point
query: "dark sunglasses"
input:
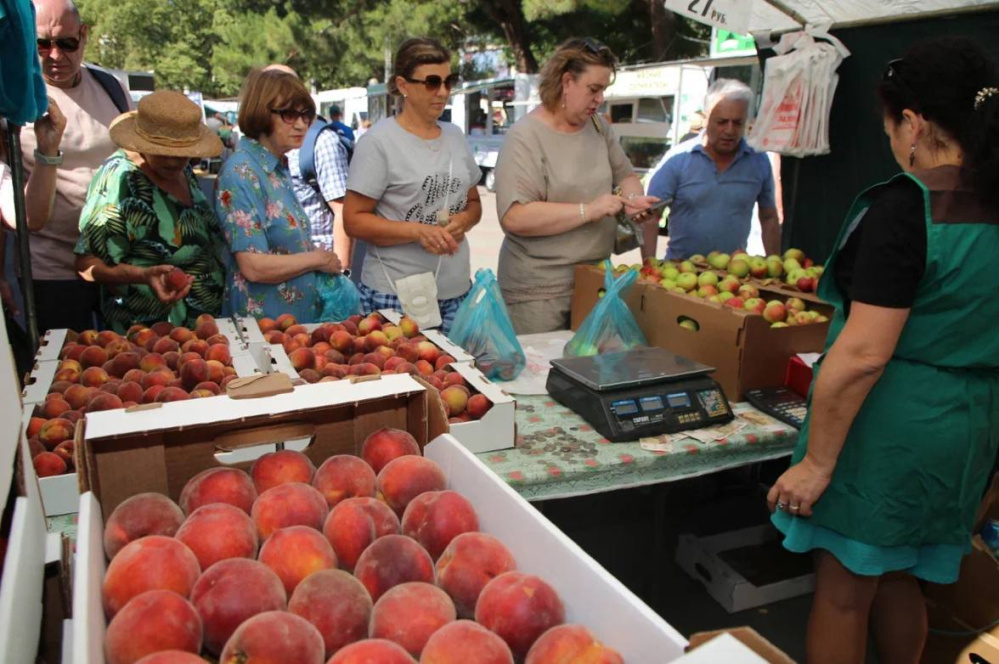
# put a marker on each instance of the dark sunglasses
(434, 82)
(291, 116)
(65, 44)
(593, 46)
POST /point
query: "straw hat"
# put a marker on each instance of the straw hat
(167, 124)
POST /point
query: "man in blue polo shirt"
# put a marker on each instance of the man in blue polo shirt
(715, 179)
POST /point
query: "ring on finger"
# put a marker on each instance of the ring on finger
(781, 504)
(795, 508)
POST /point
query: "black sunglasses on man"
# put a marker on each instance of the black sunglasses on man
(65, 44)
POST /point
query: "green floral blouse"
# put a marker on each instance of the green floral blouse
(129, 220)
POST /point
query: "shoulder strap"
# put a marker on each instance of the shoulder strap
(597, 125)
(111, 86)
(307, 154)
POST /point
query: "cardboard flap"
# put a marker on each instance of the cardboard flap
(260, 385)
(230, 442)
(750, 638)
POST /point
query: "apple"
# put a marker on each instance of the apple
(795, 304)
(714, 298)
(707, 279)
(725, 296)
(775, 267)
(803, 318)
(678, 290)
(696, 258)
(779, 324)
(729, 284)
(735, 302)
(739, 252)
(738, 267)
(687, 281)
(754, 305)
(719, 261)
(796, 254)
(821, 319)
(667, 283)
(687, 267)
(806, 284)
(791, 264)
(775, 312)
(707, 291)
(747, 291)
(689, 324)
(669, 272)
(794, 275)
(758, 267)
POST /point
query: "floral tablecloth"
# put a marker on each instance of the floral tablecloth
(559, 455)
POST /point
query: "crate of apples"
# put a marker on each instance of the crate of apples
(104, 371)
(363, 559)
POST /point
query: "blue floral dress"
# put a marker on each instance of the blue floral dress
(256, 203)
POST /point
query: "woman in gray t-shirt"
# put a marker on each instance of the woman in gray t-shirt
(411, 193)
(554, 183)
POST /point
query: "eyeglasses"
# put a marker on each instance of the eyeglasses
(65, 44)
(291, 116)
(434, 82)
(593, 46)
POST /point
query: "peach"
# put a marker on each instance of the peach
(372, 650)
(344, 476)
(169, 394)
(296, 552)
(290, 344)
(171, 657)
(216, 371)
(218, 532)
(386, 444)
(368, 325)
(403, 479)
(160, 376)
(34, 426)
(130, 392)
(172, 358)
(162, 328)
(478, 406)
(296, 329)
(93, 356)
(71, 351)
(410, 613)
(392, 332)
(87, 337)
(336, 604)
(453, 378)
(48, 464)
(94, 377)
(55, 431)
(464, 641)
(152, 622)
(111, 386)
(342, 341)
(455, 398)
(428, 351)
(68, 375)
(187, 356)
(275, 637)
(275, 337)
(424, 367)
(205, 329)
(219, 353)
(78, 395)
(105, 337)
(35, 448)
(365, 369)
(141, 515)
(198, 346)
(435, 518)
(350, 326)
(217, 339)
(470, 562)
(201, 394)
(302, 358)
(208, 386)
(333, 371)
(123, 363)
(218, 485)
(154, 562)
(408, 352)
(266, 325)
(409, 327)
(53, 407)
(391, 560)
(519, 608)
(133, 376)
(192, 372)
(75, 364)
(321, 335)
(232, 591)
(443, 361)
(374, 339)
(334, 356)
(376, 359)
(181, 335)
(59, 386)
(392, 363)
(142, 337)
(291, 504)
(280, 467)
(571, 643)
(164, 345)
(354, 524)
(73, 416)
(151, 394)
(117, 347)
(152, 361)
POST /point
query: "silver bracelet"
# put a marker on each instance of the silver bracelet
(582, 213)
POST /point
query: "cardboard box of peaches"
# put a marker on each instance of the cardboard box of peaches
(90, 371)
(381, 540)
(746, 330)
(480, 414)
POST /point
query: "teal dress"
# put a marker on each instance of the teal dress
(256, 204)
(917, 457)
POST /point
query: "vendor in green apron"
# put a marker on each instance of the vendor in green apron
(903, 423)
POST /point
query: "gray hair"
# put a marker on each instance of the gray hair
(727, 88)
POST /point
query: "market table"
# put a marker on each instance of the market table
(559, 455)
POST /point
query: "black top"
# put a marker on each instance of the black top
(884, 259)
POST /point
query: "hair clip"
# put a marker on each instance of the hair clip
(984, 94)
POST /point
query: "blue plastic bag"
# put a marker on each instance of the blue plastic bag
(610, 327)
(483, 328)
(338, 297)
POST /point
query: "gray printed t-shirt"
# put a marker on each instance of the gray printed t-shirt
(408, 176)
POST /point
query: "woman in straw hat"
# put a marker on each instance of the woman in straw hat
(145, 215)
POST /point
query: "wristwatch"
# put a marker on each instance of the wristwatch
(46, 160)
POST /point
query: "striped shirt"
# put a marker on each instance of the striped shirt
(331, 174)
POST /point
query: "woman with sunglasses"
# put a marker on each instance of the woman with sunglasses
(411, 193)
(554, 181)
(271, 264)
(903, 423)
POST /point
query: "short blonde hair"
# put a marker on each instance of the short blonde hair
(265, 90)
(415, 52)
(573, 56)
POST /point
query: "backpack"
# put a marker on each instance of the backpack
(112, 86)
(307, 153)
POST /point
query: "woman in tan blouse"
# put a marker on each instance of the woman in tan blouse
(554, 179)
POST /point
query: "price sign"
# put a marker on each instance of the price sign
(733, 15)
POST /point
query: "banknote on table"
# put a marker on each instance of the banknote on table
(758, 418)
(726, 430)
(662, 443)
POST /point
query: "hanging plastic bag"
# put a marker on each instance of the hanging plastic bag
(610, 327)
(338, 297)
(483, 328)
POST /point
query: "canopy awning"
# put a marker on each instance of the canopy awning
(781, 15)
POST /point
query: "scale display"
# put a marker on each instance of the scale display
(643, 392)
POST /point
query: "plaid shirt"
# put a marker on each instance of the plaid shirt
(331, 173)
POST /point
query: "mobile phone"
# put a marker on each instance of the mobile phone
(652, 209)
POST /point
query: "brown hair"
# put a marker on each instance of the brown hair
(265, 90)
(415, 52)
(573, 56)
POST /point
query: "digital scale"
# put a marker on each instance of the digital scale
(637, 393)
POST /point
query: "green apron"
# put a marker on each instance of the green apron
(920, 451)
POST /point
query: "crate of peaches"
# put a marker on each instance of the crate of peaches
(369, 558)
(481, 414)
